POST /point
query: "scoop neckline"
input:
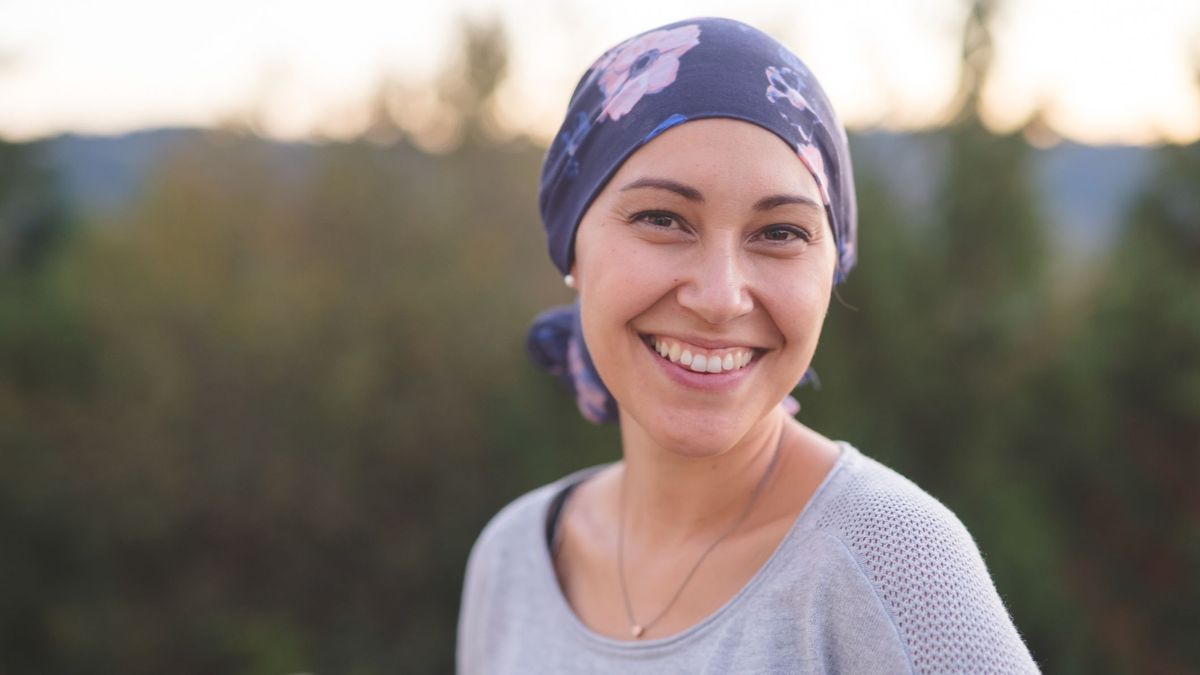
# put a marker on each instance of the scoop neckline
(563, 607)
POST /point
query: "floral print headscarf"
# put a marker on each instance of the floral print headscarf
(693, 69)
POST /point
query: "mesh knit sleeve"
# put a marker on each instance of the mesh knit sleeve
(929, 574)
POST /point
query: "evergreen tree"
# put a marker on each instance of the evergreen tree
(1130, 473)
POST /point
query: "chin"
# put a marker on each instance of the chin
(694, 432)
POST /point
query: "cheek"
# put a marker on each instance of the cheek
(798, 308)
(626, 279)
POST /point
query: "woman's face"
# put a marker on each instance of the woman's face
(711, 243)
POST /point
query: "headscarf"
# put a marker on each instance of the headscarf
(692, 69)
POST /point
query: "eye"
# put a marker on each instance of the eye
(659, 220)
(783, 234)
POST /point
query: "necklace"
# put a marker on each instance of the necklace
(638, 629)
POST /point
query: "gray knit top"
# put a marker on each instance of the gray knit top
(874, 576)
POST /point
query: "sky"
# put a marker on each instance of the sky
(1101, 71)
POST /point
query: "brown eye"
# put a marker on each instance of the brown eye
(657, 219)
(785, 233)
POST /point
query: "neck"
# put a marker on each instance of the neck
(672, 498)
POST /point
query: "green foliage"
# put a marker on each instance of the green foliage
(1135, 408)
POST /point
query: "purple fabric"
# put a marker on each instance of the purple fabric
(693, 69)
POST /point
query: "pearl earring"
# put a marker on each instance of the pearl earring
(569, 280)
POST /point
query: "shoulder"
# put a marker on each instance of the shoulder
(519, 522)
(503, 575)
(877, 504)
(926, 570)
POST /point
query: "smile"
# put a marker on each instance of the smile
(699, 359)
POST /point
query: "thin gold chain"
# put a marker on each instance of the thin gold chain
(638, 629)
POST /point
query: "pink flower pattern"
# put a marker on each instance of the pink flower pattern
(778, 87)
(643, 65)
(784, 84)
(811, 156)
(591, 395)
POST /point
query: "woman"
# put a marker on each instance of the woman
(699, 199)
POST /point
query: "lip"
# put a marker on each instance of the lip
(724, 381)
(703, 343)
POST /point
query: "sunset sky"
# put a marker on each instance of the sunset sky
(1115, 71)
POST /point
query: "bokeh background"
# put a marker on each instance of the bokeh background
(266, 268)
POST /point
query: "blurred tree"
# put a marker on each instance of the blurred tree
(45, 367)
(991, 322)
(33, 219)
(988, 240)
(1132, 390)
(481, 70)
(312, 392)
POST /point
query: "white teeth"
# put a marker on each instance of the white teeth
(733, 360)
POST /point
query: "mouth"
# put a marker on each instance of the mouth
(702, 361)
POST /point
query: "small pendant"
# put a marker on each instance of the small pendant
(637, 630)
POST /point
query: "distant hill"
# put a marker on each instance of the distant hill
(106, 172)
(1086, 189)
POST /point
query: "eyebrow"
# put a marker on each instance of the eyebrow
(693, 195)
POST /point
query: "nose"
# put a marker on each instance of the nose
(716, 285)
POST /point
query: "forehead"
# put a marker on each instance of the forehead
(728, 158)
